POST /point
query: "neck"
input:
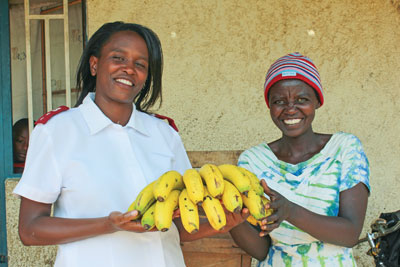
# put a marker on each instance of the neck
(119, 114)
(299, 145)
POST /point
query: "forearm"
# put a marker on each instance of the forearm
(331, 229)
(47, 230)
(205, 230)
(248, 239)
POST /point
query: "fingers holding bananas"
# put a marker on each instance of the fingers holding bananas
(220, 191)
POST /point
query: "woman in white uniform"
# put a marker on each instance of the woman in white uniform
(91, 161)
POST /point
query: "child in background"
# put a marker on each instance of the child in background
(20, 135)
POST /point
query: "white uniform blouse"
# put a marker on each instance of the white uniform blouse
(88, 167)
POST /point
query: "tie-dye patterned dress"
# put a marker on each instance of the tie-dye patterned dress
(315, 185)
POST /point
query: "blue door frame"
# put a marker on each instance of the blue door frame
(6, 170)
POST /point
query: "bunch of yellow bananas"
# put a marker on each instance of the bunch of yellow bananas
(207, 188)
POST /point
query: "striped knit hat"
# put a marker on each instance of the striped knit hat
(294, 66)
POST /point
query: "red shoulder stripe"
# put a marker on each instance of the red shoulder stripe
(19, 165)
(170, 121)
(50, 114)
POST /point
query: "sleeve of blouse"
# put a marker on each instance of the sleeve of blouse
(41, 179)
(355, 165)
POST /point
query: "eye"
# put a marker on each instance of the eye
(141, 65)
(302, 100)
(278, 102)
(118, 58)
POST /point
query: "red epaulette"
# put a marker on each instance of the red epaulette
(46, 117)
(170, 121)
(19, 165)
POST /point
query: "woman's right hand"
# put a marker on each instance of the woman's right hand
(281, 207)
(126, 222)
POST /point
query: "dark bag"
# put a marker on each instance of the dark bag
(385, 240)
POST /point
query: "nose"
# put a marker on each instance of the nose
(25, 146)
(290, 108)
(129, 68)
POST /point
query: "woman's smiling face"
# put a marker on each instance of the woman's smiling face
(292, 106)
(121, 68)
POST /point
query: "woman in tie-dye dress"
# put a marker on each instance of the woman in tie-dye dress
(318, 183)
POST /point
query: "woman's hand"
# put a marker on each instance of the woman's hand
(126, 222)
(234, 219)
(281, 207)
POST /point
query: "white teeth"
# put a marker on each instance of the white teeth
(124, 81)
(292, 121)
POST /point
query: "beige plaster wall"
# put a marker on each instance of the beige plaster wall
(217, 53)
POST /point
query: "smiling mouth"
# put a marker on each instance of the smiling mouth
(124, 81)
(292, 121)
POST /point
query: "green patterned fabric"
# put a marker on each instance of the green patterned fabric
(315, 185)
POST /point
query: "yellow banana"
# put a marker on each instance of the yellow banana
(254, 181)
(164, 210)
(214, 211)
(194, 185)
(231, 198)
(144, 199)
(268, 212)
(167, 182)
(236, 177)
(255, 204)
(213, 179)
(252, 220)
(265, 202)
(147, 220)
(189, 213)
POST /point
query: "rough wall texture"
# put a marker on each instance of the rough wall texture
(217, 53)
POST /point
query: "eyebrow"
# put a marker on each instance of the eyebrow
(123, 51)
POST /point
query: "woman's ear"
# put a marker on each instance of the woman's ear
(93, 65)
(318, 105)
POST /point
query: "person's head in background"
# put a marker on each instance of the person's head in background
(86, 79)
(20, 134)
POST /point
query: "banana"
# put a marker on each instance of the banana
(236, 177)
(194, 186)
(167, 182)
(255, 204)
(231, 198)
(164, 210)
(214, 211)
(144, 199)
(189, 213)
(265, 200)
(252, 220)
(147, 220)
(213, 179)
(254, 181)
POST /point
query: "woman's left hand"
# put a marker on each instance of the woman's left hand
(281, 210)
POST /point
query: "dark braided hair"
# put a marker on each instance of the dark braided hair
(151, 91)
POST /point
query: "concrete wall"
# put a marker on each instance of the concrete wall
(217, 53)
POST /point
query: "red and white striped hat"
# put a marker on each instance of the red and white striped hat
(294, 66)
